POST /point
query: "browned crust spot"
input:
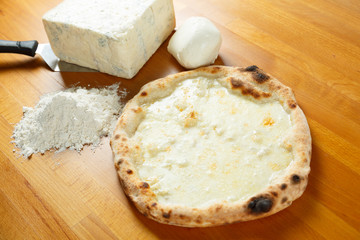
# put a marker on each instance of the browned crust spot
(153, 204)
(274, 86)
(129, 171)
(259, 205)
(144, 185)
(125, 150)
(117, 136)
(199, 219)
(236, 83)
(215, 69)
(275, 194)
(295, 179)
(117, 167)
(257, 74)
(247, 90)
(260, 77)
(161, 84)
(167, 215)
(283, 186)
(292, 104)
(283, 200)
(143, 93)
(252, 68)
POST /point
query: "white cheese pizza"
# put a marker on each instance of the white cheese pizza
(212, 146)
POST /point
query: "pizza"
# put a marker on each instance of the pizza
(212, 146)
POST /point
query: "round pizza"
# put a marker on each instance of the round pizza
(212, 146)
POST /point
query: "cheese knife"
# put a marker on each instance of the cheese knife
(31, 48)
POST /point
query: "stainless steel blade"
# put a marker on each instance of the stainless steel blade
(45, 51)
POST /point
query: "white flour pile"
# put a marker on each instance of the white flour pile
(68, 119)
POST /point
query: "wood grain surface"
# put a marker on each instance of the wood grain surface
(313, 46)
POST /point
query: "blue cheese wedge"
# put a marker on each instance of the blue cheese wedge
(112, 36)
(212, 146)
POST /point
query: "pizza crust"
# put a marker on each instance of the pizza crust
(250, 82)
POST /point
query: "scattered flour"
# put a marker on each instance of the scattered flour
(68, 119)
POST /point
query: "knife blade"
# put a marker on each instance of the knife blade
(31, 48)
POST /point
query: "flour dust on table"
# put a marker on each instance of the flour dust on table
(68, 119)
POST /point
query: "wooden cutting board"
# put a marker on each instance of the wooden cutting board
(311, 46)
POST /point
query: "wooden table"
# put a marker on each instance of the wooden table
(313, 46)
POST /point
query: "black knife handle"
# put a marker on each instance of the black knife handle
(21, 47)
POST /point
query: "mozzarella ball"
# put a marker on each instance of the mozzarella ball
(196, 43)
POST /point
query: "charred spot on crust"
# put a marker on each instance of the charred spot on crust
(295, 178)
(129, 171)
(260, 205)
(260, 76)
(247, 90)
(292, 104)
(166, 215)
(117, 165)
(144, 185)
(252, 68)
(284, 199)
(283, 186)
(154, 204)
(257, 74)
(143, 93)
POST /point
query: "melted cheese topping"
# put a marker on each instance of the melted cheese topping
(203, 144)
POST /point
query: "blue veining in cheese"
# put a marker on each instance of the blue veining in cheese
(113, 36)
